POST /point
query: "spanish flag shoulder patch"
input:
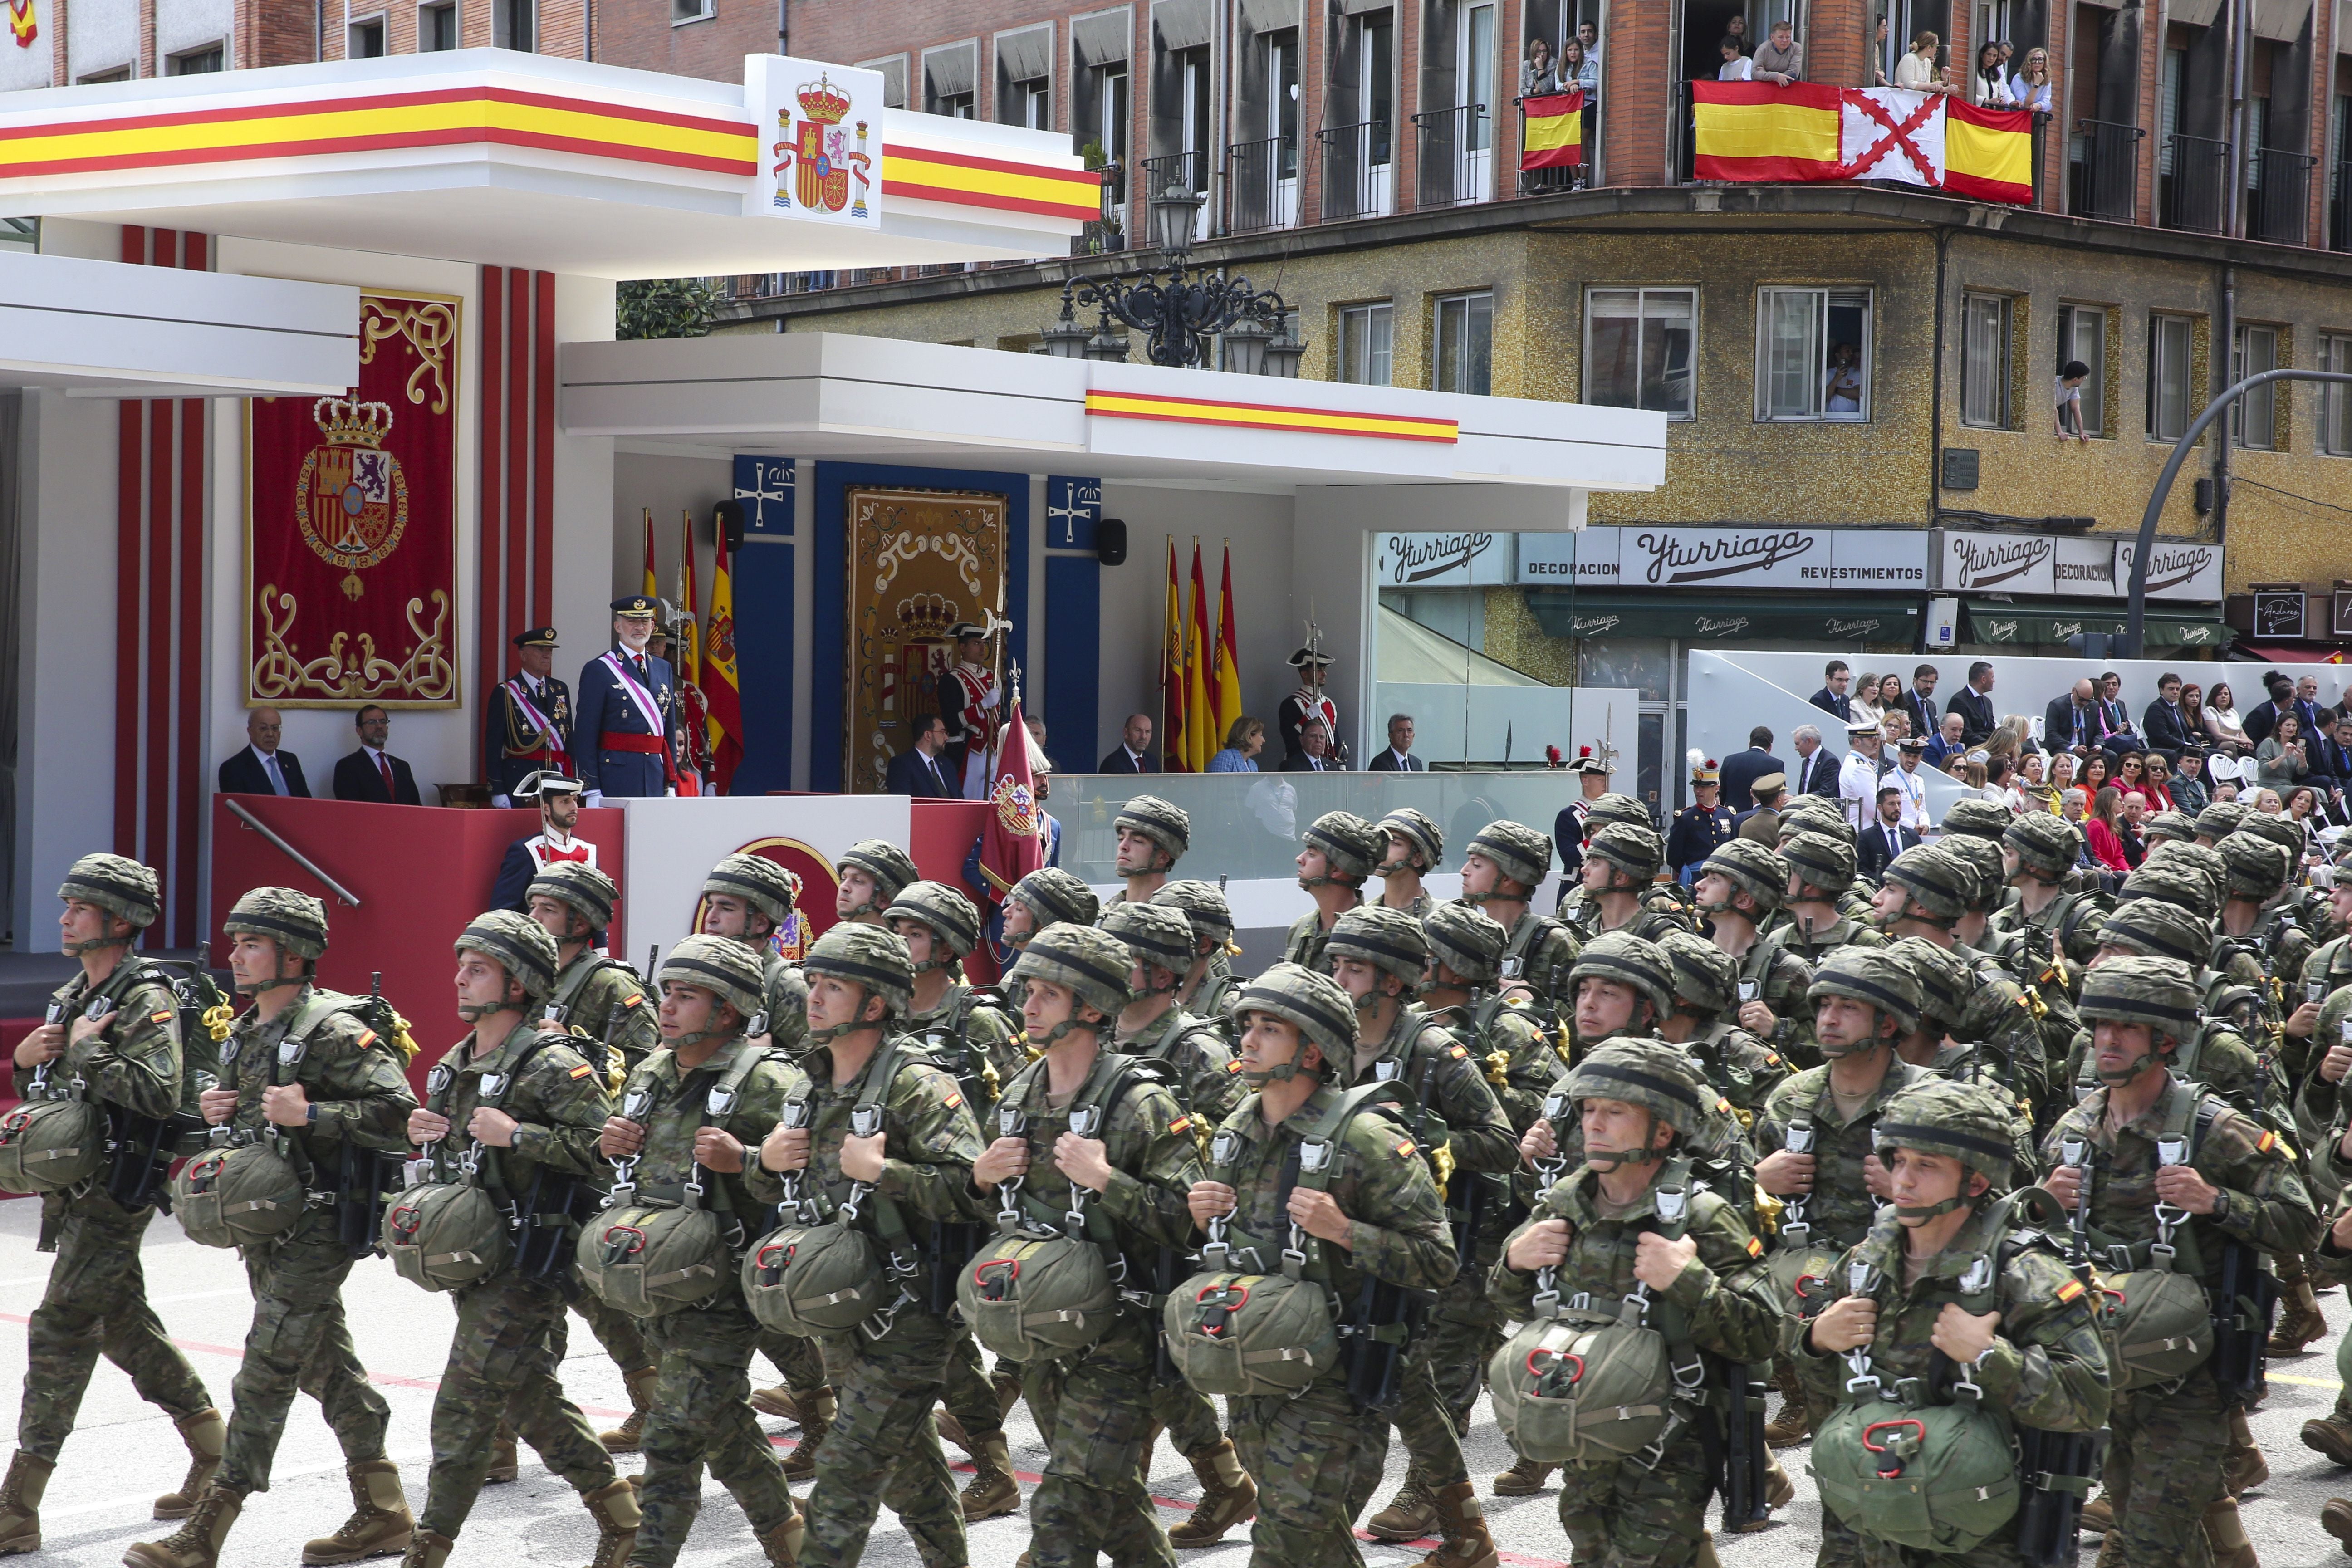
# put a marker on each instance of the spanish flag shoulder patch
(1755, 1247)
(638, 1001)
(1771, 1060)
(582, 1071)
(367, 1038)
(1234, 1066)
(2070, 1290)
(2266, 1143)
(1404, 1147)
(1457, 1053)
(954, 1100)
(160, 1016)
(1180, 1123)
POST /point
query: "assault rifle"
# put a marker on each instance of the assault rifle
(2055, 1468)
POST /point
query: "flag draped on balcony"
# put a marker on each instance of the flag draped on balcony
(1755, 132)
(1554, 137)
(1989, 153)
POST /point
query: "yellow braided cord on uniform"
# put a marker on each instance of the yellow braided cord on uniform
(1561, 1045)
(1232, 948)
(1499, 1066)
(401, 1040)
(989, 1080)
(616, 1069)
(218, 1021)
(1441, 1160)
(2033, 1003)
(1767, 1213)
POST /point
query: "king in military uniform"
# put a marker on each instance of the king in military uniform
(628, 705)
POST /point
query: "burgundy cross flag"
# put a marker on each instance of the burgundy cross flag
(1013, 845)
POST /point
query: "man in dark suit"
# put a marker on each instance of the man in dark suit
(2164, 725)
(372, 773)
(1831, 698)
(2331, 755)
(2262, 720)
(1313, 753)
(916, 770)
(261, 768)
(1133, 753)
(1886, 837)
(1973, 703)
(1919, 702)
(1741, 770)
(2072, 719)
(1397, 756)
(1816, 771)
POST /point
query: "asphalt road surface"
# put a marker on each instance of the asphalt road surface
(125, 1451)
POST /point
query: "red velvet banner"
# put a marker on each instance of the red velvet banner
(351, 542)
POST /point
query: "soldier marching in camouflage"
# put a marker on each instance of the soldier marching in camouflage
(306, 1079)
(680, 1138)
(873, 873)
(1461, 992)
(1932, 892)
(880, 1140)
(1621, 869)
(1208, 988)
(1153, 837)
(1302, 1168)
(2058, 925)
(1953, 1311)
(1415, 846)
(1341, 848)
(2160, 921)
(1502, 865)
(1743, 1069)
(1043, 897)
(514, 1112)
(111, 1042)
(1627, 1244)
(1740, 890)
(1580, 910)
(2171, 1181)
(599, 997)
(1818, 911)
(748, 898)
(1089, 1145)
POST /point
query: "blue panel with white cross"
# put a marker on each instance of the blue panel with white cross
(764, 486)
(1073, 507)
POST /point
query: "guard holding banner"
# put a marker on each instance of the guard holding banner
(627, 698)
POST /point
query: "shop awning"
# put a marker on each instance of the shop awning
(2041, 625)
(1697, 618)
(2288, 653)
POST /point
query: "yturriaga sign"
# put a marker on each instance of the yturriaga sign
(1442, 559)
(2092, 567)
(1707, 559)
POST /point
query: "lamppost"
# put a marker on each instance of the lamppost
(1180, 310)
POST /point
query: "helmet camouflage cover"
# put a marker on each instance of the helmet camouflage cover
(1467, 941)
(1939, 882)
(1977, 819)
(2047, 846)
(1944, 978)
(1051, 894)
(2175, 825)
(1156, 935)
(1390, 940)
(295, 921)
(1166, 824)
(757, 880)
(722, 966)
(1637, 851)
(1518, 851)
(1872, 976)
(2158, 992)
(580, 888)
(2155, 926)
(1093, 964)
(1313, 1004)
(2278, 830)
(951, 915)
(1825, 863)
(1651, 1074)
(1627, 961)
(1964, 1120)
(2220, 820)
(1421, 836)
(1614, 809)
(1351, 845)
(1201, 904)
(515, 943)
(1705, 980)
(1751, 868)
(1982, 857)
(2255, 866)
(864, 956)
(885, 862)
(121, 887)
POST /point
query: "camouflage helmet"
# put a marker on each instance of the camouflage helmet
(1705, 980)
(1424, 841)
(1825, 819)
(515, 943)
(1760, 873)
(1520, 853)
(1324, 1014)
(2154, 926)
(296, 922)
(580, 888)
(1872, 976)
(1467, 941)
(759, 882)
(1983, 857)
(722, 966)
(1823, 862)
(1389, 940)
(2174, 881)
(2047, 846)
(2256, 868)
(2158, 991)
(2202, 860)
(1629, 961)
(1158, 936)
(2220, 819)
(1051, 894)
(868, 957)
(1615, 809)
(1978, 818)
(2288, 835)
(1939, 882)
(1637, 851)
(1350, 847)
(1944, 978)
(951, 916)
(1093, 964)
(1967, 1121)
(1651, 1074)
(885, 862)
(1167, 826)
(2169, 827)
(117, 884)
(1201, 904)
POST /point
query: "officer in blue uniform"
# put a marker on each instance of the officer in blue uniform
(528, 727)
(628, 708)
(1701, 826)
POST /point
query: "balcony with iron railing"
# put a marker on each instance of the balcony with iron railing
(2278, 195)
(1106, 235)
(1456, 156)
(1186, 172)
(2193, 177)
(2103, 171)
(1359, 170)
(1261, 184)
(2339, 208)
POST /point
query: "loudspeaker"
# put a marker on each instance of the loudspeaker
(1110, 542)
(727, 518)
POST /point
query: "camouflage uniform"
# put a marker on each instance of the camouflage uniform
(1740, 1066)
(1350, 847)
(1638, 853)
(1537, 951)
(1630, 1514)
(603, 999)
(2216, 1055)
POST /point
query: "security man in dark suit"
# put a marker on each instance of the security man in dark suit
(628, 706)
(1133, 753)
(1397, 756)
(1741, 770)
(1831, 698)
(372, 773)
(1920, 700)
(527, 728)
(1881, 840)
(262, 767)
(1973, 703)
(917, 771)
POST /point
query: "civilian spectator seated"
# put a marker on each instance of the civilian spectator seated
(1919, 702)
(2070, 723)
(2104, 827)
(2280, 759)
(1841, 383)
(2223, 728)
(1133, 753)
(2164, 726)
(1314, 753)
(2071, 377)
(2131, 815)
(1735, 67)
(1989, 84)
(2158, 786)
(917, 771)
(2307, 704)
(1782, 60)
(1831, 698)
(1950, 741)
(2331, 756)
(372, 773)
(2075, 805)
(262, 768)
(1973, 703)
(2260, 722)
(1397, 756)
(1917, 71)
(1245, 739)
(1742, 769)
(2117, 734)
(2190, 790)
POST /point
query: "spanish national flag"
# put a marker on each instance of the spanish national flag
(1988, 152)
(1554, 137)
(1753, 131)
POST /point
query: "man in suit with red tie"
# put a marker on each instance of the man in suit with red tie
(372, 773)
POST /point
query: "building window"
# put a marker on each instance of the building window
(894, 78)
(367, 40)
(951, 81)
(1465, 341)
(1113, 110)
(437, 28)
(2335, 397)
(684, 11)
(1812, 353)
(514, 24)
(1029, 103)
(1367, 344)
(199, 62)
(2083, 336)
(1637, 348)
(1984, 360)
(2168, 356)
(119, 73)
(2255, 421)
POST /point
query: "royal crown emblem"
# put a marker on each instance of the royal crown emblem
(351, 500)
(817, 153)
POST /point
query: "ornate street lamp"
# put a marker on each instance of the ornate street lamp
(1179, 311)
(1283, 354)
(1064, 339)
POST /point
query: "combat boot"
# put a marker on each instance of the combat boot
(196, 1543)
(951, 1430)
(625, 1437)
(205, 1434)
(816, 1422)
(2301, 1323)
(2098, 1515)
(1462, 1521)
(20, 1502)
(614, 1507)
(2331, 1435)
(1791, 1426)
(782, 1544)
(2336, 1518)
(427, 1549)
(2226, 1533)
(2243, 1468)
(380, 1524)
(1007, 1383)
(992, 1490)
(506, 1462)
(778, 1402)
(1523, 1479)
(1228, 1497)
(1412, 1515)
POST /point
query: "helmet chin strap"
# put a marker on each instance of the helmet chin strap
(1933, 1211)
(1614, 1159)
(75, 949)
(1387, 868)
(832, 1032)
(256, 987)
(1715, 906)
(1054, 1035)
(1327, 880)
(2137, 1066)
(475, 1012)
(693, 1037)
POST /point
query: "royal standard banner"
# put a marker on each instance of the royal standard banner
(350, 528)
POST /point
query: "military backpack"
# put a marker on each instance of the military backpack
(449, 1229)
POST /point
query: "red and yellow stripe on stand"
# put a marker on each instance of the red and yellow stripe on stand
(1271, 416)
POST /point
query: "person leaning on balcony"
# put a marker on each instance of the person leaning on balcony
(1989, 83)
(2031, 87)
(1781, 61)
(1917, 69)
(1878, 52)
(1537, 73)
